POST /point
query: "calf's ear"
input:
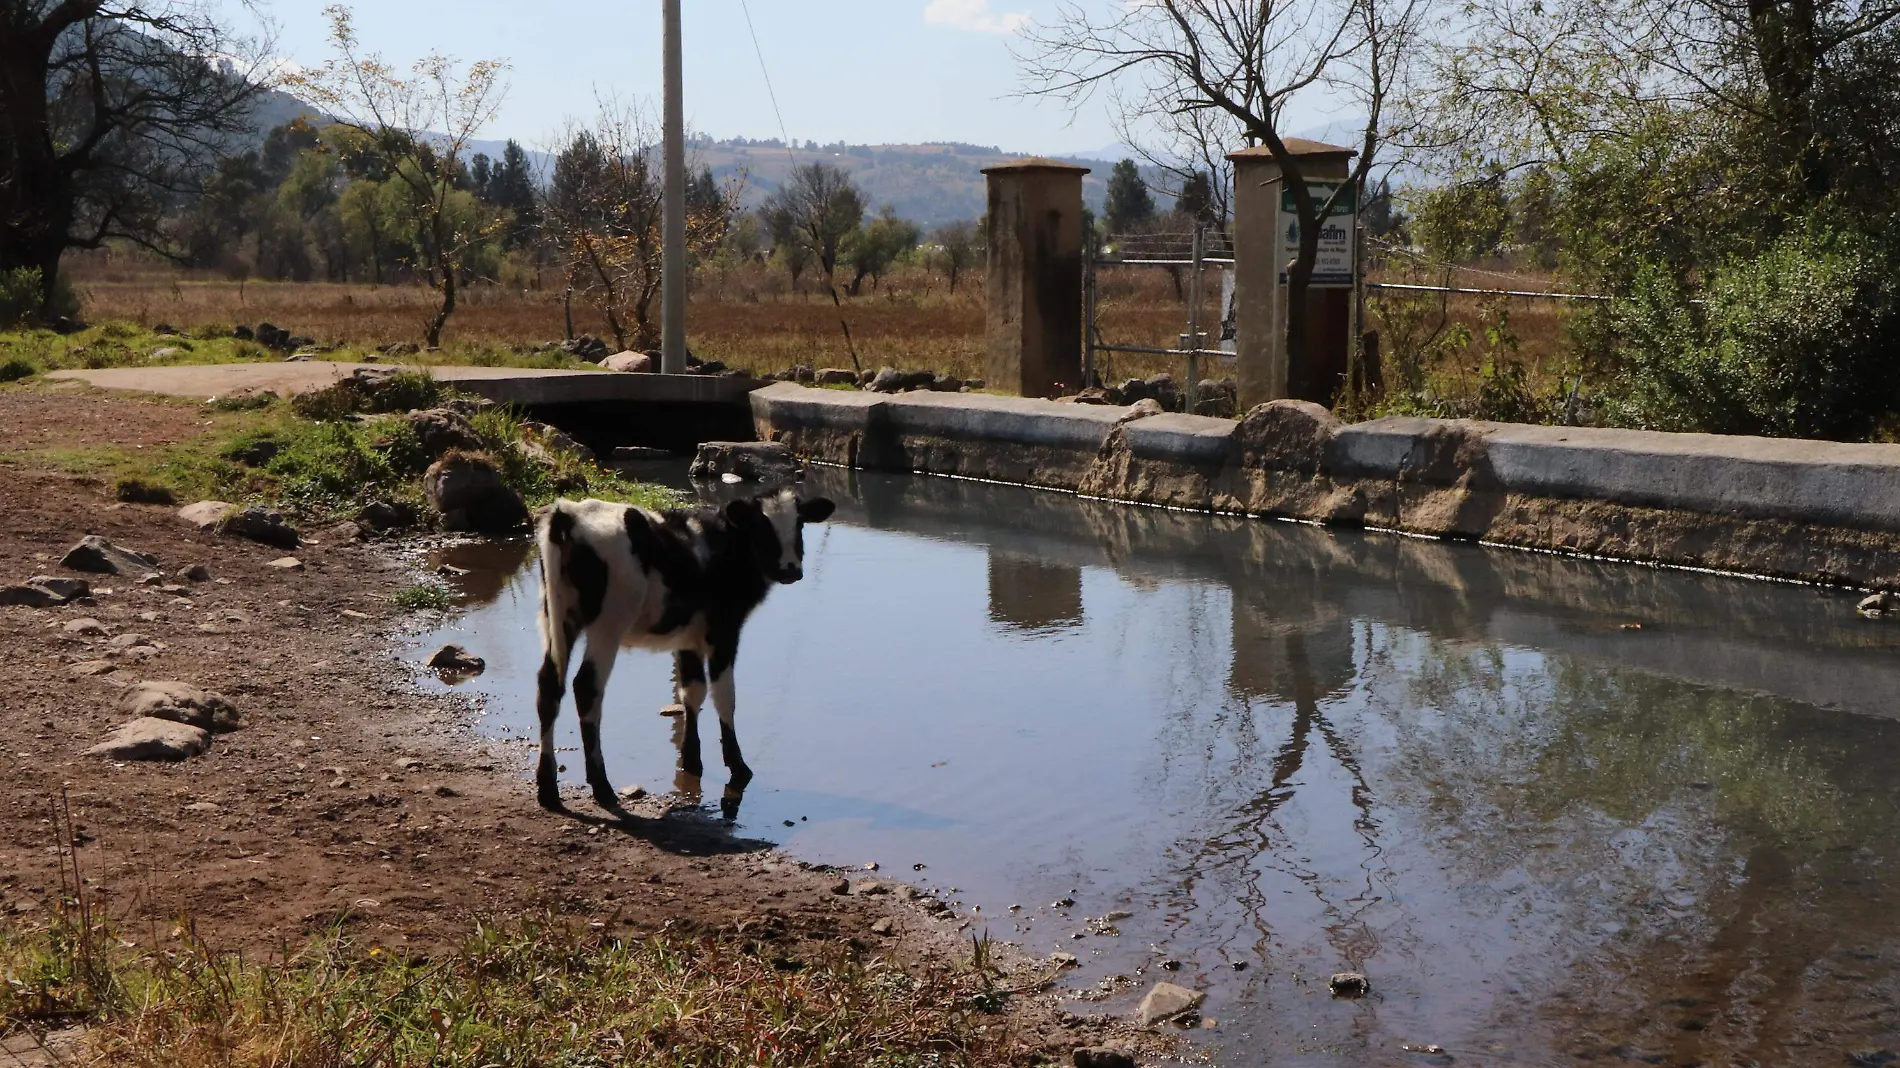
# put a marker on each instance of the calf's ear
(738, 512)
(816, 510)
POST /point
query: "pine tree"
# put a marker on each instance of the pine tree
(1129, 202)
(1197, 199)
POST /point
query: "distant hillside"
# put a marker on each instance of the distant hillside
(927, 184)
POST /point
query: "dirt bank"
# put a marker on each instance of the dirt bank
(349, 795)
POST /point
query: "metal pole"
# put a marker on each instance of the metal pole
(673, 218)
(1193, 334)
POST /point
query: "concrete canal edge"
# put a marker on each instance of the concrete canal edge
(1808, 510)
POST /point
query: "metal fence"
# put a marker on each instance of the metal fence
(1193, 251)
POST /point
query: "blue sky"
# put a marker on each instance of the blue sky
(851, 70)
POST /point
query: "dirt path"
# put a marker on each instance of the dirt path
(350, 796)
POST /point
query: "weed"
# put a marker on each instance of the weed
(139, 491)
(423, 597)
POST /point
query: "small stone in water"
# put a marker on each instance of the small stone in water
(1065, 903)
(1240, 965)
(1171, 965)
(1430, 1049)
(1350, 984)
(789, 823)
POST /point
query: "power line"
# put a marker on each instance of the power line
(770, 93)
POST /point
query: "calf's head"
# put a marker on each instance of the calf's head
(773, 526)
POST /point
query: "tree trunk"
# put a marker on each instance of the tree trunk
(442, 314)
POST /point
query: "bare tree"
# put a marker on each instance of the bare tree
(421, 124)
(1245, 61)
(603, 213)
(109, 114)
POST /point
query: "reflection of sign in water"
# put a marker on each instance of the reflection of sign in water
(1333, 266)
(1229, 342)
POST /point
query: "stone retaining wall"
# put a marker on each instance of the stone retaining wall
(1816, 511)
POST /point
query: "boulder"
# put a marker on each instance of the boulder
(181, 702)
(85, 627)
(1161, 388)
(973, 383)
(207, 516)
(195, 573)
(153, 739)
(836, 376)
(452, 659)
(99, 556)
(888, 380)
(286, 563)
(165, 352)
(45, 591)
(467, 489)
(1092, 395)
(244, 333)
(1102, 1057)
(946, 384)
(260, 524)
(586, 347)
(548, 438)
(1165, 1001)
(629, 361)
(803, 373)
(749, 461)
(442, 429)
(1220, 399)
(1882, 605)
(379, 516)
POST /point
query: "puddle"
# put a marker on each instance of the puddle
(1546, 835)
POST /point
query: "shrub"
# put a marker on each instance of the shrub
(17, 367)
(424, 596)
(20, 297)
(139, 491)
(1790, 343)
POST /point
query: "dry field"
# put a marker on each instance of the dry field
(748, 317)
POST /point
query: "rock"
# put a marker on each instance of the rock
(260, 524)
(454, 660)
(841, 887)
(379, 516)
(286, 563)
(442, 429)
(632, 793)
(99, 556)
(946, 384)
(750, 461)
(468, 490)
(181, 702)
(887, 380)
(1092, 395)
(338, 533)
(205, 808)
(400, 349)
(46, 591)
(128, 640)
(195, 573)
(28, 596)
(883, 926)
(86, 627)
(973, 383)
(1101, 1057)
(165, 352)
(1166, 1001)
(1216, 398)
(803, 373)
(1065, 960)
(92, 669)
(1161, 388)
(244, 333)
(1349, 984)
(836, 376)
(586, 347)
(629, 361)
(543, 440)
(868, 888)
(1882, 605)
(206, 515)
(153, 739)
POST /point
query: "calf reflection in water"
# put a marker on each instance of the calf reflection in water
(680, 581)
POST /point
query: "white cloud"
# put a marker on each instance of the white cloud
(973, 15)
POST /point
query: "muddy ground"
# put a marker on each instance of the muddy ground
(350, 796)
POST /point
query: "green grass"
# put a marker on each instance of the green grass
(423, 596)
(318, 460)
(542, 993)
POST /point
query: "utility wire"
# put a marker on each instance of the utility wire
(785, 136)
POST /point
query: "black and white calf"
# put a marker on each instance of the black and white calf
(680, 581)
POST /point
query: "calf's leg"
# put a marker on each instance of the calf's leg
(723, 700)
(590, 685)
(691, 693)
(557, 641)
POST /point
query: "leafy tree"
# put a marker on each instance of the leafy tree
(818, 207)
(870, 250)
(1380, 215)
(1462, 222)
(1129, 203)
(107, 114)
(958, 245)
(394, 113)
(788, 244)
(1196, 200)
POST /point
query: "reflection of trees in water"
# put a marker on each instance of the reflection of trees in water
(1708, 859)
(491, 565)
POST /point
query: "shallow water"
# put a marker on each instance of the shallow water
(1558, 811)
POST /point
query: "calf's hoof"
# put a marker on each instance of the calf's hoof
(605, 797)
(550, 798)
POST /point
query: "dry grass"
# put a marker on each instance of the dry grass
(749, 317)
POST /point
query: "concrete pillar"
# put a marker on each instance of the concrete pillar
(1035, 277)
(1264, 372)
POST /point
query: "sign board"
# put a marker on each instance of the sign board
(1229, 318)
(1337, 259)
